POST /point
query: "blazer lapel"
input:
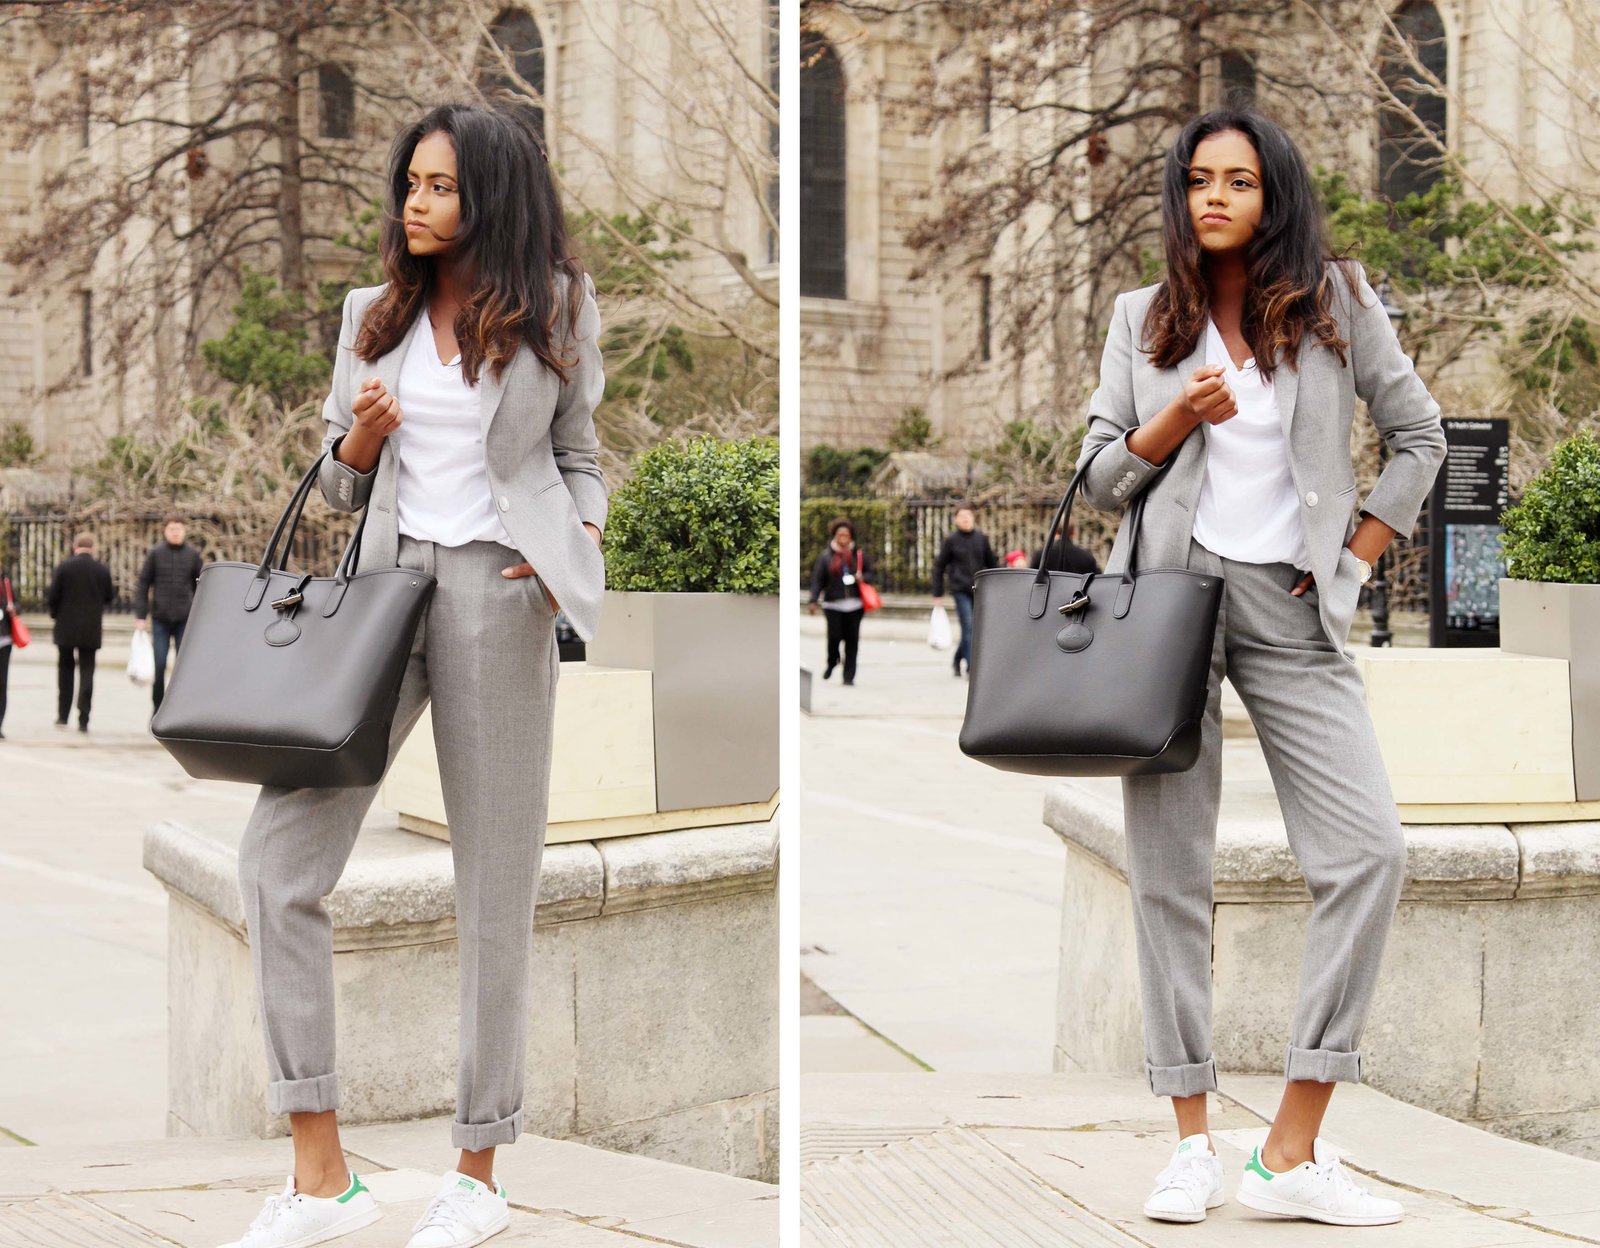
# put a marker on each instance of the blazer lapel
(1286, 386)
(490, 392)
(387, 365)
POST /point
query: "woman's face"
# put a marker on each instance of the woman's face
(1225, 195)
(843, 537)
(433, 196)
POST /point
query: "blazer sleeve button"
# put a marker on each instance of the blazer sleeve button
(503, 503)
(1311, 499)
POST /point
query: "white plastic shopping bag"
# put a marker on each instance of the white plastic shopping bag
(939, 629)
(141, 659)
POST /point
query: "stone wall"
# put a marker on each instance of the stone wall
(653, 1006)
(1478, 1013)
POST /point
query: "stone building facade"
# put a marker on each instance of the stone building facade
(644, 103)
(885, 340)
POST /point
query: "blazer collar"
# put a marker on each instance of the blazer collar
(490, 391)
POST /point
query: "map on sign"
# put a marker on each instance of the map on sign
(1468, 498)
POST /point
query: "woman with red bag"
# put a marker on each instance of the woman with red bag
(8, 624)
(841, 580)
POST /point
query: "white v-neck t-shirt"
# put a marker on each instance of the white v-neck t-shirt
(444, 493)
(1249, 509)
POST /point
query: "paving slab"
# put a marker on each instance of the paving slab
(903, 1159)
(198, 1193)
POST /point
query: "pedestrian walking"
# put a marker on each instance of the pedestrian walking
(164, 594)
(8, 612)
(964, 553)
(1257, 329)
(836, 579)
(1065, 556)
(80, 590)
(477, 461)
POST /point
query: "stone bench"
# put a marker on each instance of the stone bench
(1485, 1007)
(653, 1019)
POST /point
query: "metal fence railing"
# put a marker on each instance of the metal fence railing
(35, 543)
(902, 536)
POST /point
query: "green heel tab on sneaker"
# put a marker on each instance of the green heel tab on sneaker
(356, 1186)
(1255, 1164)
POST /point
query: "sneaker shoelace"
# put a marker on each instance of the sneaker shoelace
(447, 1208)
(1344, 1190)
(277, 1204)
(1188, 1173)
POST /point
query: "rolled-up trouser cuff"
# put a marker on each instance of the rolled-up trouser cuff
(303, 1096)
(1182, 1080)
(476, 1136)
(1323, 1066)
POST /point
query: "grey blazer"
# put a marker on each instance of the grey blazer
(1317, 406)
(539, 446)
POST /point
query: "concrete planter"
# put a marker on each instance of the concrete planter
(714, 663)
(1561, 621)
(652, 1020)
(1496, 922)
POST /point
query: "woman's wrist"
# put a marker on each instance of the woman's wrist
(1371, 539)
(357, 449)
(1160, 436)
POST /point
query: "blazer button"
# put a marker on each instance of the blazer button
(1311, 499)
(503, 503)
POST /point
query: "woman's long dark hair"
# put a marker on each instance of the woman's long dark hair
(1288, 294)
(511, 241)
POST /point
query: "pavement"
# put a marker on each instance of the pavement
(84, 1155)
(930, 908)
(1006, 1161)
(198, 1193)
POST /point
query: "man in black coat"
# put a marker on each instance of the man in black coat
(78, 595)
(1071, 558)
(962, 555)
(164, 594)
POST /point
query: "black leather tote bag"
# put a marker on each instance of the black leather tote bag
(1090, 674)
(292, 680)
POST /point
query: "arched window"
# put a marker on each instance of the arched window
(1410, 138)
(822, 170)
(517, 34)
(1236, 74)
(336, 94)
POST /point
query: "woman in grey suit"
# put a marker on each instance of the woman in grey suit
(1226, 395)
(461, 415)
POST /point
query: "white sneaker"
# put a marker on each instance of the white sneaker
(289, 1220)
(1321, 1190)
(465, 1212)
(1191, 1183)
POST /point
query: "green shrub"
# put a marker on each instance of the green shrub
(16, 445)
(835, 468)
(697, 516)
(1553, 532)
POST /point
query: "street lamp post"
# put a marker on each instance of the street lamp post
(1381, 636)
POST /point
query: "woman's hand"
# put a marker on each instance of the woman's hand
(1367, 543)
(518, 570)
(1208, 397)
(593, 531)
(377, 412)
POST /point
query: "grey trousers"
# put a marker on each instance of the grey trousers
(485, 654)
(1309, 709)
